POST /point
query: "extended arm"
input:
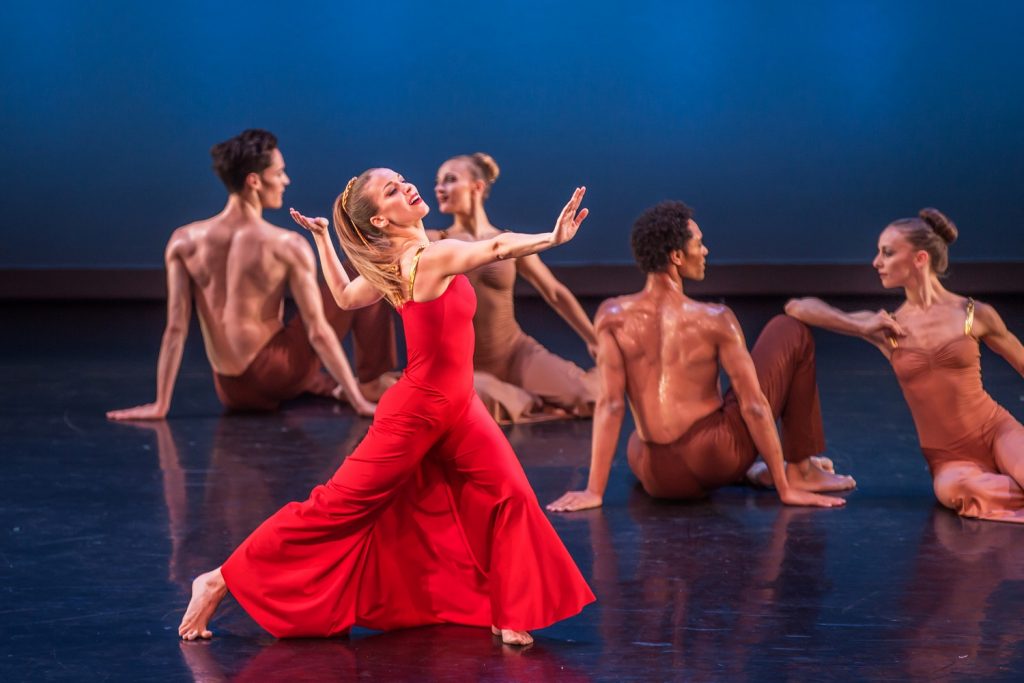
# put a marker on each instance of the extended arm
(757, 413)
(451, 257)
(875, 328)
(349, 294)
(608, 415)
(990, 327)
(302, 281)
(559, 298)
(179, 312)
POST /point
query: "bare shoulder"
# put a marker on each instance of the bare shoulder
(721, 321)
(290, 247)
(435, 235)
(987, 319)
(612, 313)
(184, 240)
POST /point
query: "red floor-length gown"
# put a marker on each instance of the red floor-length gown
(429, 520)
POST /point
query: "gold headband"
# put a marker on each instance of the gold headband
(344, 207)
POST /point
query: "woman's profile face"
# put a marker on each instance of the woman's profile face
(455, 187)
(397, 200)
(895, 259)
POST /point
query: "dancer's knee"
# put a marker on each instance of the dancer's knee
(791, 329)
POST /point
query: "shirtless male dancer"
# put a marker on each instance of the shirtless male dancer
(664, 351)
(237, 265)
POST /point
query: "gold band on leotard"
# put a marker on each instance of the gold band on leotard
(969, 323)
(892, 339)
(412, 271)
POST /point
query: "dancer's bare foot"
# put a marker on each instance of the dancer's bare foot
(510, 637)
(817, 470)
(207, 591)
(808, 476)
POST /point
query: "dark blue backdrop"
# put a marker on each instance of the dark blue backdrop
(796, 129)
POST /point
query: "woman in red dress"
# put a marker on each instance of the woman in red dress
(431, 518)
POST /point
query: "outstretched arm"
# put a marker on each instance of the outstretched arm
(757, 413)
(990, 327)
(876, 328)
(559, 298)
(348, 294)
(451, 257)
(608, 415)
(298, 257)
(179, 312)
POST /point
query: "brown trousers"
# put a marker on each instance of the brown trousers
(717, 450)
(288, 366)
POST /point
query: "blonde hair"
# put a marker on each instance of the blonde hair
(931, 231)
(369, 249)
(483, 167)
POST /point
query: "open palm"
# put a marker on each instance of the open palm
(571, 218)
(317, 226)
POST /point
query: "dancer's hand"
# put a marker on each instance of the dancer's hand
(573, 501)
(317, 226)
(150, 411)
(882, 321)
(794, 496)
(570, 219)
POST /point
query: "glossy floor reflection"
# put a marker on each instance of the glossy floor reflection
(103, 525)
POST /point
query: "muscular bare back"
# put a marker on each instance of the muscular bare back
(669, 356)
(238, 273)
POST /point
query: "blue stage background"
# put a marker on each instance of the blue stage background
(795, 129)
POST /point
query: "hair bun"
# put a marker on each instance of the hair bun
(940, 223)
(488, 165)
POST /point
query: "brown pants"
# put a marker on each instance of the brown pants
(717, 450)
(288, 366)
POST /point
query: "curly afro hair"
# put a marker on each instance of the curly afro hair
(659, 230)
(248, 152)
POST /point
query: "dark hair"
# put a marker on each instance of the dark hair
(248, 152)
(660, 229)
(932, 232)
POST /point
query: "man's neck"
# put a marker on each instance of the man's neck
(666, 282)
(243, 207)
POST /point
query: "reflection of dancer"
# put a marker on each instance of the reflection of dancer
(956, 628)
(671, 600)
(664, 350)
(974, 447)
(431, 519)
(443, 653)
(239, 491)
(516, 376)
(237, 265)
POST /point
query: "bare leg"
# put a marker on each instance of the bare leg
(207, 592)
(1009, 451)
(973, 492)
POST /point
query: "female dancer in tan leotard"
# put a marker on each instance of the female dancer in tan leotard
(974, 446)
(517, 378)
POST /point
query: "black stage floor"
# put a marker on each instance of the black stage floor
(103, 525)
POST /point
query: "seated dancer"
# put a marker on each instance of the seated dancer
(236, 265)
(431, 518)
(974, 447)
(664, 350)
(517, 378)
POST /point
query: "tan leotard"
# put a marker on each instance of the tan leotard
(955, 417)
(515, 374)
